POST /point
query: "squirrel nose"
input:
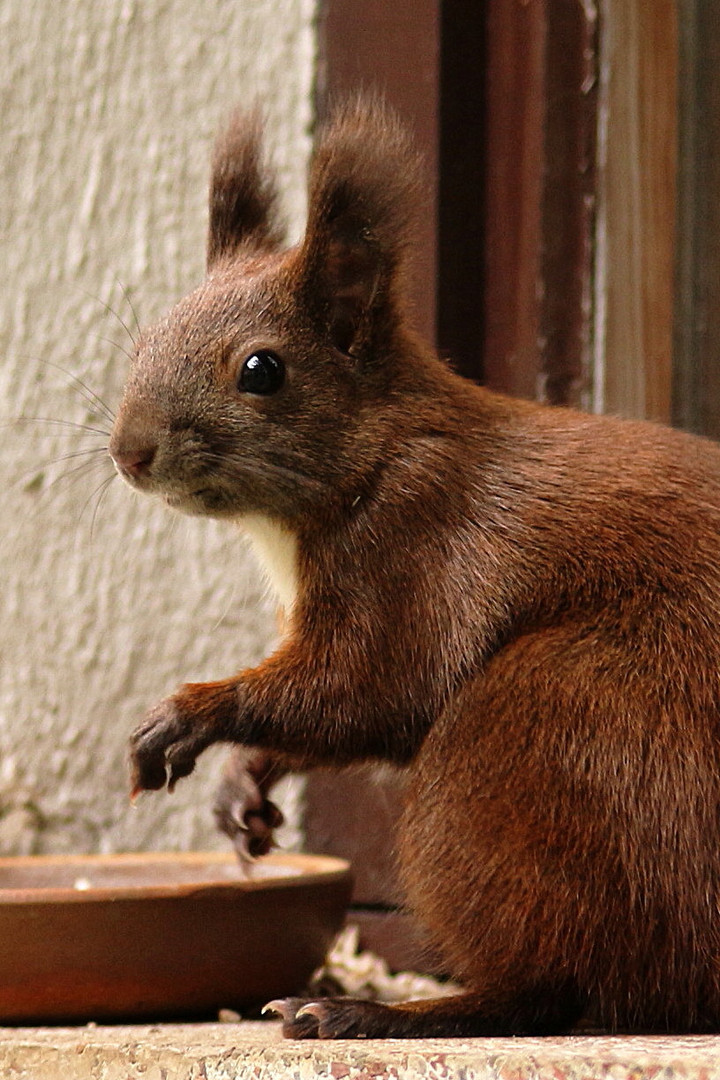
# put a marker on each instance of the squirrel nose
(134, 461)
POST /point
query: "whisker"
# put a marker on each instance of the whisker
(89, 395)
(38, 469)
(87, 428)
(70, 476)
(98, 491)
(128, 300)
(280, 472)
(111, 311)
(102, 490)
(174, 523)
(79, 453)
(221, 618)
(116, 345)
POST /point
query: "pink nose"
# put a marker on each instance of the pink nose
(135, 461)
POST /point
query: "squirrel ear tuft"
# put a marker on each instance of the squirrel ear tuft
(243, 196)
(362, 201)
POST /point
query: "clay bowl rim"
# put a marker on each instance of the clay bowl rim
(305, 869)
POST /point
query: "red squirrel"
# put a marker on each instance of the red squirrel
(518, 603)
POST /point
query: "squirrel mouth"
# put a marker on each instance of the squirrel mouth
(205, 499)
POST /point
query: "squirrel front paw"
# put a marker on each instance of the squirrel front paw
(242, 808)
(165, 746)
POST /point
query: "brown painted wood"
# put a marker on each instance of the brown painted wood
(541, 107)
(353, 814)
(462, 163)
(392, 49)
(568, 202)
(514, 164)
(696, 383)
(396, 937)
(638, 194)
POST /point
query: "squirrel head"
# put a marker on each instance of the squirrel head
(264, 389)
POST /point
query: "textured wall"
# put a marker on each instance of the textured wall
(106, 600)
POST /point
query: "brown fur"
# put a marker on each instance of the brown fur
(521, 604)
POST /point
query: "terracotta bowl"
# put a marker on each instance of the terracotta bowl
(112, 937)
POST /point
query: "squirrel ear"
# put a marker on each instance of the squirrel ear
(362, 196)
(243, 196)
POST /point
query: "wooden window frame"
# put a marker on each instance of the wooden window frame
(696, 367)
(545, 258)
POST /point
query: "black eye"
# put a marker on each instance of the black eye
(262, 373)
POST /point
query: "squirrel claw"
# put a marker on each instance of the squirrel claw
(165, 746)
(338, 1018)
(276, 1007)
(298, 1022)
(242, 809)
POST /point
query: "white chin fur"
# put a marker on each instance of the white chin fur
(276, 548)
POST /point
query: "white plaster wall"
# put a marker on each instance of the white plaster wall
(107, 601)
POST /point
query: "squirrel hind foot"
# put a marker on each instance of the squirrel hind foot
(463, 1015)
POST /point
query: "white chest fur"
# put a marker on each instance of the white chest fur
(276, 548)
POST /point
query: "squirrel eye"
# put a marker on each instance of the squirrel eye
(262, 373)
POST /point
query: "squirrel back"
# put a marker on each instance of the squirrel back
(519, 603)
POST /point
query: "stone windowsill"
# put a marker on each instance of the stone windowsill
(256, 1050)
